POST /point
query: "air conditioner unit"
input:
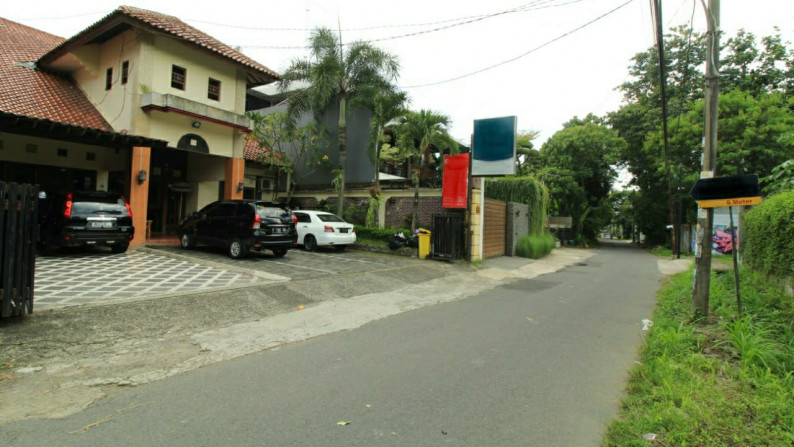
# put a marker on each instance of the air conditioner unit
(265, 184)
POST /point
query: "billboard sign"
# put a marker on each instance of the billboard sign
(494, 147)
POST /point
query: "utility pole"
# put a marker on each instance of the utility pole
(700, 292)
(657, 4)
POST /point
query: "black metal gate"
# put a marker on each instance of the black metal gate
(18, 234)
(448, 236)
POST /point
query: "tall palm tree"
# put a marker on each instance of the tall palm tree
(421, 134)
(335, 75)
(386, 107)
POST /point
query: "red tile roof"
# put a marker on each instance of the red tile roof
(172, 26)
(252, 149)
(27, 91)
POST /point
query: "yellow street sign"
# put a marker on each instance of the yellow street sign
(718, 203)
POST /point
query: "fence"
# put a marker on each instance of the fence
(18, 235)
(448, 236)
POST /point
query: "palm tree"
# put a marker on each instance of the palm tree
(385, 107)
(335, 75)
(421, 134)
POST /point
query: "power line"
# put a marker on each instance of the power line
(523, 54)
(523, 8)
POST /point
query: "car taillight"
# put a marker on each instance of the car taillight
(354, 229)
(127, 205)
(257, 222)
(294, 220)
(67, 208)
(328, 228)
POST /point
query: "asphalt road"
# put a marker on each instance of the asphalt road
(538, 362)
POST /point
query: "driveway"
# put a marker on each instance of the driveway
(97, 277)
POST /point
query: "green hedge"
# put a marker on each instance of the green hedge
(527, 190)
(378, 234)
(768, 236)
(536, 246)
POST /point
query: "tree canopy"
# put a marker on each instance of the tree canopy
(336, 74)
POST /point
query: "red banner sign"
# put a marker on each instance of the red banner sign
(455, 186)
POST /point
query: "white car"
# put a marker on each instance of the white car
(323, 229)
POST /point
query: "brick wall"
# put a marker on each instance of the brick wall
(399, 209)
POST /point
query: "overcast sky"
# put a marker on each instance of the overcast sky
(545, 70)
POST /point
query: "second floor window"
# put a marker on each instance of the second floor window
(108, 78)
(125, 71)
(178, 76)
(214, 89)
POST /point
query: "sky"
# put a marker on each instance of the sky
(543, 61)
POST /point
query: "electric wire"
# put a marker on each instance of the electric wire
(541, 4)
(560, 37)
(522, 8)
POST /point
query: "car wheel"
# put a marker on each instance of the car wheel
(310, 243)
(186, 240)
(340, 247)
(236, 249)
(119, 248)
(279, 252)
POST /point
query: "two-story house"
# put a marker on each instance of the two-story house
(171, 98)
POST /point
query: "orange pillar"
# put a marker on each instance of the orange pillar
(235, 170)
(139, 192)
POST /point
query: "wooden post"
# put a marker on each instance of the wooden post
(700, 292)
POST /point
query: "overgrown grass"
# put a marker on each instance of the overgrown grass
(536, 246)
(728, 382)
(377, 236)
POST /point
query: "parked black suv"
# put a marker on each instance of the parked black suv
(240, 226)
(84, 219)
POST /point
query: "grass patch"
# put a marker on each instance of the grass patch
(536, 246)
(726, 382)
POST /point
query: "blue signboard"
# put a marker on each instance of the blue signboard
(494, 147)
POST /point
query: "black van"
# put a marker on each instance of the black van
(84, 219)
(240, 226)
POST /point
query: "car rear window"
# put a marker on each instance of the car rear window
(329, 218)
(271, 211)
(85, 205)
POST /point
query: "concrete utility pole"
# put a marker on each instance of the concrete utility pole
(700, 292)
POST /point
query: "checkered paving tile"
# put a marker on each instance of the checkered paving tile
(103, 278)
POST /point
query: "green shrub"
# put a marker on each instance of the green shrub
(378, 234)
(536, 246)
(768, 236)
(527, 190)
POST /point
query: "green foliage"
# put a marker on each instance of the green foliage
(339, 179)
(579, 172)
(756, 128)
(355, 214)
(372, 210)
(536, 246)
(378, 234)
(336, 73)
(286, 146)
(768, 236)
(419, 135)
(527, 157)
(689, 388)
(781, 178)
(526, 190)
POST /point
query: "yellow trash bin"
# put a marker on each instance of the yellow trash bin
(424, 242)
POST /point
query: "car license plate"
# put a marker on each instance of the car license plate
(279, 230)
(343, 230)
(101, 224)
